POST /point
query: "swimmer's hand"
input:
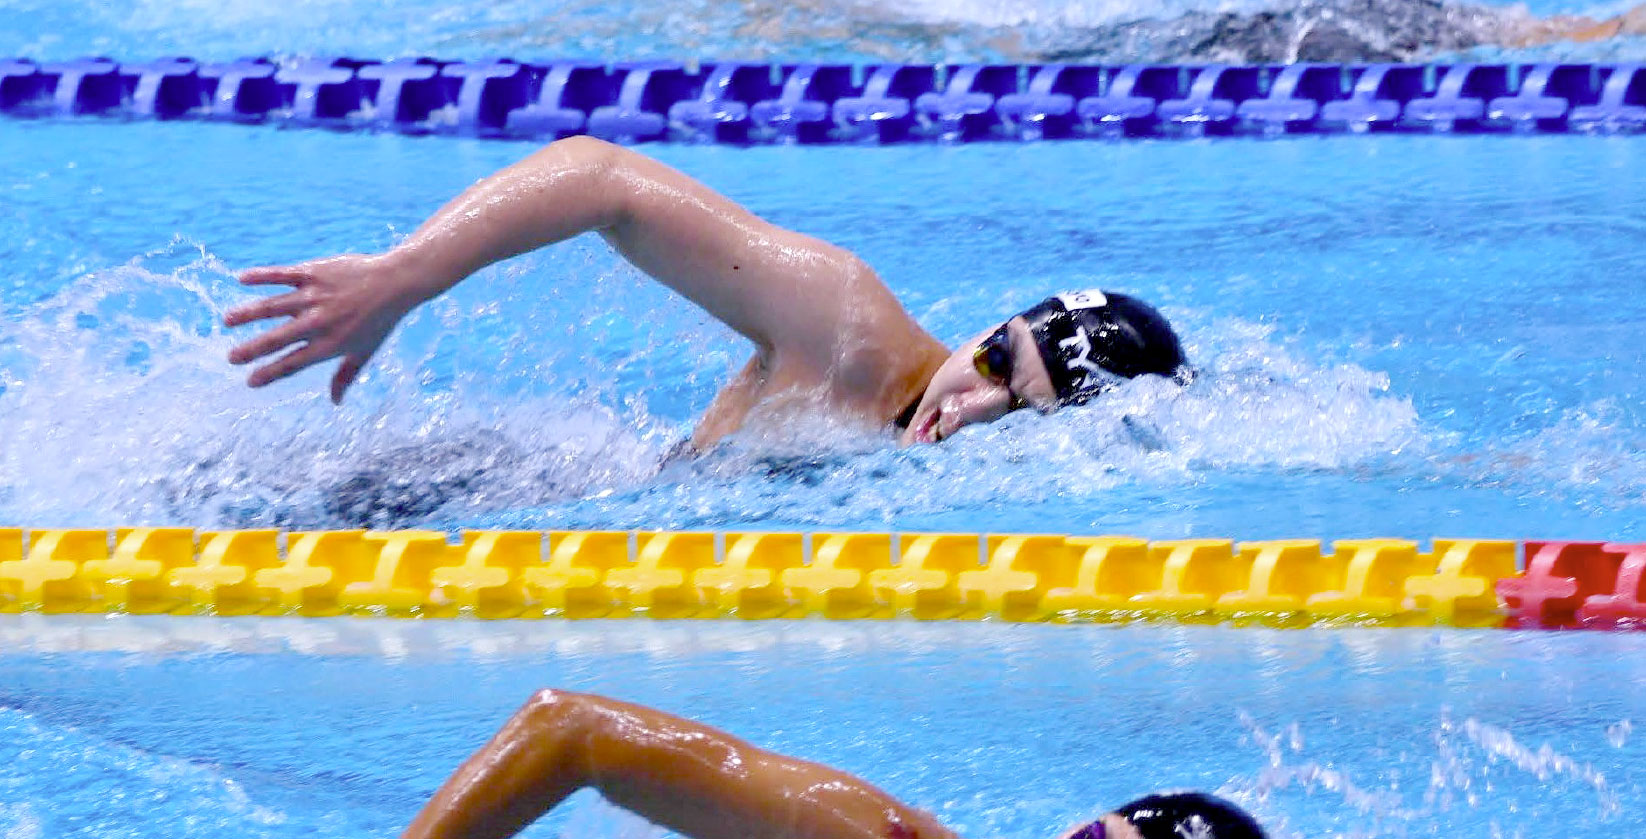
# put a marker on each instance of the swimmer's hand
(341, 307)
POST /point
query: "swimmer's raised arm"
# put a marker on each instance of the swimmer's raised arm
(1528, 31)
(794, 296)
(688, 777)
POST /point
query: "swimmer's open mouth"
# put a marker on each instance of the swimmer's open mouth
(931, 431)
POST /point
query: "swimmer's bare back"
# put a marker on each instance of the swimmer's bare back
(1631, 23)
(824, 326)
(1318, 31)
(688, 777)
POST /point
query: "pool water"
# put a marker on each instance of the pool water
(273, 727)
(1396, 335)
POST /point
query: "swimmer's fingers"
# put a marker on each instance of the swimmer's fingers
(298, 359)
(271, 341)
(283, 305)
(293, 275)
(346, 373)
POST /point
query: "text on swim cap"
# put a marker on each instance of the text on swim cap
(1194, 827)
(1082, 360)
(1089, 299)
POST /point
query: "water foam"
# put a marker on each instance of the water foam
(88, 777)
(1594, 456)
(120, 408)
(117, 403)
(1461, 773)
(1253, 405)
(829, 30)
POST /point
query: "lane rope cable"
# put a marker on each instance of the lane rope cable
(752, 103)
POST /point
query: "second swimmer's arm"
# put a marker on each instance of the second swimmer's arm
(1579, 28)
(780, 289)
(688, 777)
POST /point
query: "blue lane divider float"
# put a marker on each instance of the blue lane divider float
(738, 102)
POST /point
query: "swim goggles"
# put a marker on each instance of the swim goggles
(993, 360)
(993, 357)
(1095, 830)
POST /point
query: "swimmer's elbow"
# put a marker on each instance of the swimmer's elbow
(553, 709)
(563, 722)
(591, 153)
(586, 169)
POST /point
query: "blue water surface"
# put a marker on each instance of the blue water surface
(342, 728)
(1396, 335)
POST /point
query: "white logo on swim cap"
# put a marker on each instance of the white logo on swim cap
(1194, 827)
(1082, 360)
(1089, 299)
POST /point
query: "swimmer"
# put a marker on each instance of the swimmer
(703, 783)
(828, 334)
(1326, 31)
(1239, 33)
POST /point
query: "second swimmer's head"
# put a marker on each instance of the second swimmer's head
(1063, 350)
(1178, 815)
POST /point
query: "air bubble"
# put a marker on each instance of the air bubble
(1618, 733)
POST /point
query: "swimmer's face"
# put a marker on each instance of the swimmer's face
(1115, 826)
(960, 395)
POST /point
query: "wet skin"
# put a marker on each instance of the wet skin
(828, 334)
(688, 777)
(683, 775)
(959, 395)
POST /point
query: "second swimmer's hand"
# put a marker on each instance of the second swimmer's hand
(343, 307)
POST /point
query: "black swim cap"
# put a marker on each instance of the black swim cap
(1189, 815)
(1089, 339)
